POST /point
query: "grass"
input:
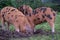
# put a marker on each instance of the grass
(46, 27)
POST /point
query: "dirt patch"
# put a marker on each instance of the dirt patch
(42, 32)
(6, 34)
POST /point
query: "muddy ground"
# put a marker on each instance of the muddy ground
(6, 35)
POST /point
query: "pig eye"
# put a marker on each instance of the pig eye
(38, 18)
(53, 14)
(43, 16)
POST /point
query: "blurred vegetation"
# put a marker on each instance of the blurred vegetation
(4, 3)
(33, 3)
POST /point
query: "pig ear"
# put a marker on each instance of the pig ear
(56, 11)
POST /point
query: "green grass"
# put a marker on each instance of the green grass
(44, 26)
